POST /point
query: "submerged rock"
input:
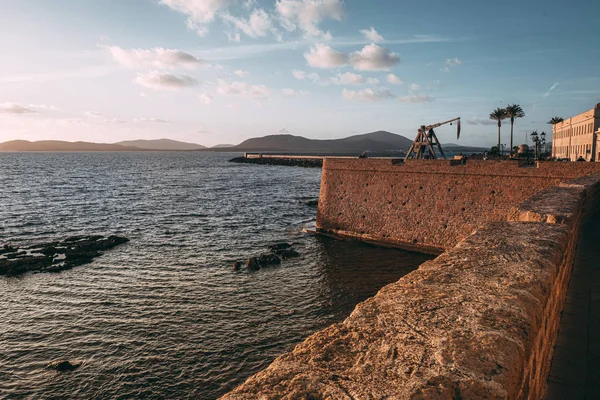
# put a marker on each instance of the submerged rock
(237, 265)
(63, 366)
(269, 259)
(312, 203)
(287, 253)
(280, 246)
(252, 264)
(55, 256)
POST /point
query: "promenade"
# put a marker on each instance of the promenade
(575, 371)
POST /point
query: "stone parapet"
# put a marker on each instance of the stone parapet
(432, 205)
(479, 321)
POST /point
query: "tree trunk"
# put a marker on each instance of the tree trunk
(512, 122)
(499, 125)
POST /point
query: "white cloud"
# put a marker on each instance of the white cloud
(368, 94)
(372, 35)
(156, 57)
(323, 56)
(101, 118)
(394, 80)
(151, 120)
(295, 93)
(283, 131)
(453, 62)
(13, 108)
(299, 74)
(416, 98)
(257, 25)
(241, 74)
(243, 89)
(348, 78)
(313, 77)
(235, 106)
(545, 95)
(480, 121)
(165, 81)
(415, 86)
(248, 4)
(199, 12)
(234, 37)
(205, 99)
(373, 81)
(18, 109)
(306, 15)
(374, 58)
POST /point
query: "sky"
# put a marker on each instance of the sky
(222, 71)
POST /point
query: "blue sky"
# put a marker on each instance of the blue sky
(221, 71)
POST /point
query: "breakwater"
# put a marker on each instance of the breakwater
(479, 321)
(290, 161)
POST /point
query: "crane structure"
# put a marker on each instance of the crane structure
(422, 146)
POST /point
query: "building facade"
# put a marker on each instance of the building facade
(578, 136)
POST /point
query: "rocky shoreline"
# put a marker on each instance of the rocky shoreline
(55, 256)
(285, 161)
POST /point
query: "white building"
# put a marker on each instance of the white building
(578, 136)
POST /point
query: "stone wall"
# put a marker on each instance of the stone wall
(428, 206)
(479, 321)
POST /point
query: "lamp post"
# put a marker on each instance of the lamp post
(502, 147)
(538, 140)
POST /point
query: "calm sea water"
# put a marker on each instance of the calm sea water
(165, 316)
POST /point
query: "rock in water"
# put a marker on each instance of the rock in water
(312, 203)
(287, 253)
(280, 246)
(63, 366)
(237, 265)
(269, 259)
(252, 264)
(55, 256)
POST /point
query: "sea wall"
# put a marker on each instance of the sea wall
(479, 321)
(428, 206)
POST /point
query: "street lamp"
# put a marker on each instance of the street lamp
(502, 146)
(538, 141)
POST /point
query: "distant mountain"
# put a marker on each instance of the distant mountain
(161, 144)
(57, 145)
(375, 141)
(223, 146)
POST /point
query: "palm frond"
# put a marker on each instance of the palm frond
(514, 111)
(498, 114)
(555, 120)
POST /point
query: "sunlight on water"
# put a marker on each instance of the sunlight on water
(165, 315)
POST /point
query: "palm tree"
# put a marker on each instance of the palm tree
(555, 120)
(513, 111)
(498, 115)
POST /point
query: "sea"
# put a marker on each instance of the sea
(166, 315)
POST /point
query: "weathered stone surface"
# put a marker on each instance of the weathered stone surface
(463, 325)
(555, 205)
(428, 205)
(55, 256)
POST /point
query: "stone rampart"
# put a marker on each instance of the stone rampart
(428, 206)
(479, 321)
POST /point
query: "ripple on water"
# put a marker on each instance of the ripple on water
(164, 316)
